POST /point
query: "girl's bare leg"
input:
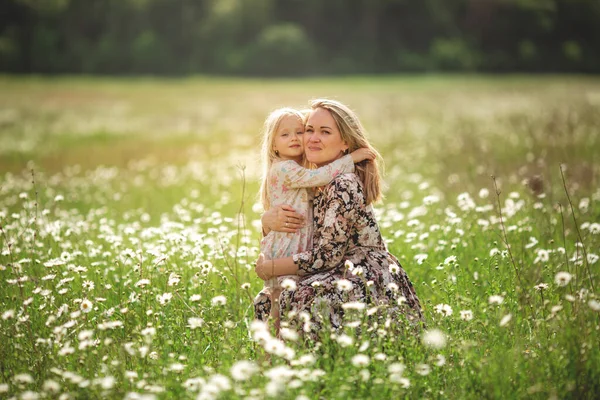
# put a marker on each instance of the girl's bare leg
(275, 310)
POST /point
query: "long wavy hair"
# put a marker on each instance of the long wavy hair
(355, 136)
(268, 154)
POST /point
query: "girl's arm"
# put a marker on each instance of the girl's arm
(296, 176)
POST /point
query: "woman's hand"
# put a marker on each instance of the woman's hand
(263, 268)
(282, 218)
(362, 154)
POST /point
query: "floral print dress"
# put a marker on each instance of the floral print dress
(349, 263)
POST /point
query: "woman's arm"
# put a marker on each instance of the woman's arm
(296, 176)
(282, 218)
(267, 269)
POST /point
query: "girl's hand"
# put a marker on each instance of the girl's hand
(261, 268)
(362, 154)
(282, 218)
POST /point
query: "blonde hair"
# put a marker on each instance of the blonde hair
(354, 135)
(268, 153)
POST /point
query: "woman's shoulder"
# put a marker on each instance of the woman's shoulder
(346, 183)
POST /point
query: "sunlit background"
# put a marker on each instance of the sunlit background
(129, 216)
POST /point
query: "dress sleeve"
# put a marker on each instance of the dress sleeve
(296, 176)
(344, 198)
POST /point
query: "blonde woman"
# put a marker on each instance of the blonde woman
(349, 260)
(286, 181)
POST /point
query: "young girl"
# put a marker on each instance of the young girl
(286, 181)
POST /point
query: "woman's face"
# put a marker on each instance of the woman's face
(322, 140)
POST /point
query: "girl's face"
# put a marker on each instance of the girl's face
(288, 138)
(322, 139)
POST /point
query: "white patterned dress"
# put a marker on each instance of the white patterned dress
(291, 184)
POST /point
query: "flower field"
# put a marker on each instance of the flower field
(129, 225)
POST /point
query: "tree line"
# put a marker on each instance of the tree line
(298, 37)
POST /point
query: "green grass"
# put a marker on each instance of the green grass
(156, 179)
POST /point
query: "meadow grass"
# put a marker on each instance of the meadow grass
(130, 223)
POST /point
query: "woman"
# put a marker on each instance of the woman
(349, 261)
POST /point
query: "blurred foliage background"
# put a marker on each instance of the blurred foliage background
(298, 37)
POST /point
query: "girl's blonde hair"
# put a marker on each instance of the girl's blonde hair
(354, 135)
(268, 153)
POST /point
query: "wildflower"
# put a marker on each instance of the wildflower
(496, 299)
(358, 271)
(29, 395)
(142, 283)
(420, 258)
(360, 360)
(245, 286)
(466, 315)
(443, 309)
(219, 300)
(505, 320)
(110, 325)
(441, 360)
(541, 286)
(562, 278)
(85, 335)
(542, 256)
(422, 369)
(173, 279)
(594, 305)
(396, 368)
(164, 298)
(150, 331)
(344, 285)
(89, 285)
(592, 258)
(354, 305)
(434, 338)
(243, 370)
(289, 334)
(8, 314)
(484, 193)
(4, 387)
(349, 265)
(176, 367)
(404, 382)
(394, 269)
(195, 323)
(288, 284)
(23, 378)
(494, 252)
(345, 340)
(86, 306)
(195, 297)
(106, 383)
(131, 375)
(556, 309)
(450, 260)
(392, 286)
(194, 384)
